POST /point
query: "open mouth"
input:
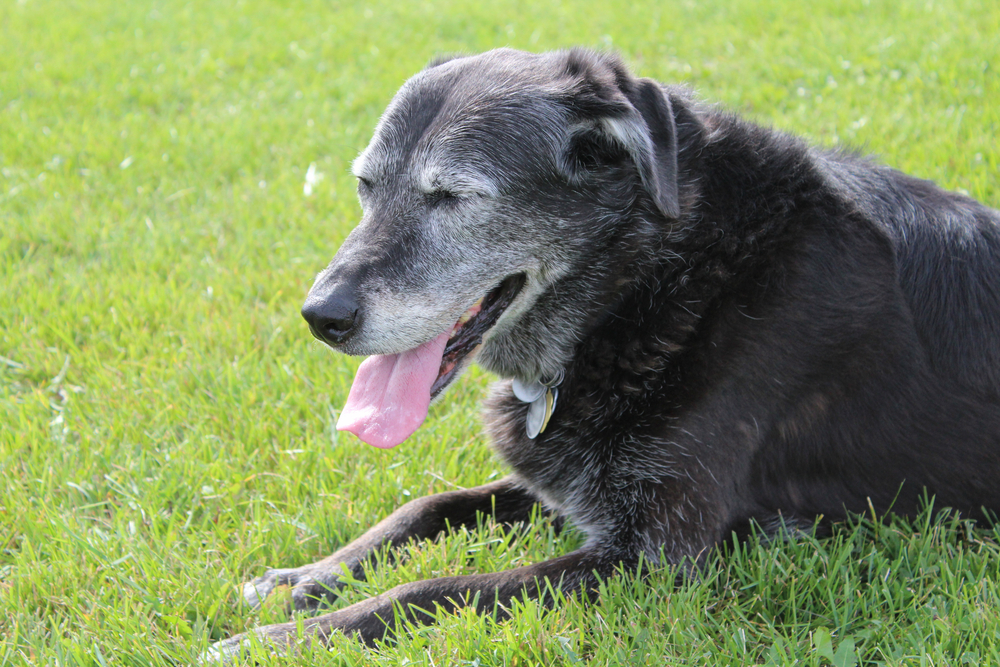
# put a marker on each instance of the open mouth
(390, 394)
(468, 332)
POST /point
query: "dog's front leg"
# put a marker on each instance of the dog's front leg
(377, 617)
(317, 583)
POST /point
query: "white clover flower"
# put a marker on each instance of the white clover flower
(312, 178)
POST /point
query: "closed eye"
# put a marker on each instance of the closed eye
(441, 198)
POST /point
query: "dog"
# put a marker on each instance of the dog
(701, 327)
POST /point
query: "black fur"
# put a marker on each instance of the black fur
(758, 331)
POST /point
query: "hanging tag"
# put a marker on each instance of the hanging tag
(540, 412)
(536, 417)
(541, 397)
(529, 392)
(550, 406)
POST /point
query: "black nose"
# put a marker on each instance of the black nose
(331, 319)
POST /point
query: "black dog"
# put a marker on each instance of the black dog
(700, 324)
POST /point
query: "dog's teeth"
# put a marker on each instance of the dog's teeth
(467, 315)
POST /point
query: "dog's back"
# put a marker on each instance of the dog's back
(947, 250)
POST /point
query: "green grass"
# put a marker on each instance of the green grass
(166, 421)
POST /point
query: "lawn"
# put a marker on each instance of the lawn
(166, 420)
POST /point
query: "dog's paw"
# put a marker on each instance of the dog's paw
(254, 646)
(309, 590)
(227, 652)
(243, 649)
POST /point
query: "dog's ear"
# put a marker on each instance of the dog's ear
(618, 113)
(654, 148)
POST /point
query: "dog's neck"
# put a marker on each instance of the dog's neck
(672, 278)
(663, 273)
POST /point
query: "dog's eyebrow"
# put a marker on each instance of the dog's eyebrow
(433, 176)
(361, 166)
(376, 161)
(457, 179)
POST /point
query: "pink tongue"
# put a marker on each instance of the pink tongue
(390, 395)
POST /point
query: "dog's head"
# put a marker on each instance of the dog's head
(492, 189)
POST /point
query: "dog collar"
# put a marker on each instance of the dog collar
(541, 397)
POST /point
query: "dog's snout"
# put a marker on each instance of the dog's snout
(331, 319)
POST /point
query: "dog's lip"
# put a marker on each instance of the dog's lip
(468, 335)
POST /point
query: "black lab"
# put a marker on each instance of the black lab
(699, 325)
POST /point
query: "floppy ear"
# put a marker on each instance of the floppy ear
(619, 115)
(655, 149)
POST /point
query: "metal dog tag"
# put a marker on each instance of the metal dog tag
(541, 397)
(529, 392)
(551, 396)
(540, 412)
(536, 415)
